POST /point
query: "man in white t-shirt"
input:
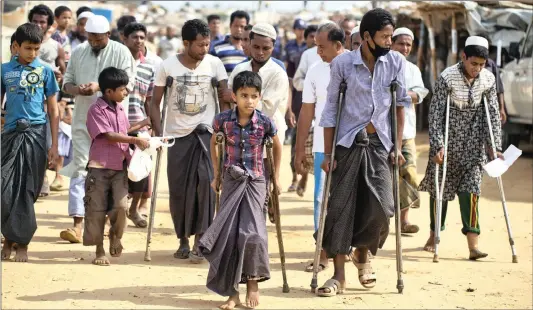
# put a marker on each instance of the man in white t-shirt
(330, 41)
(402, 42)
(275, 92)
(190, 113)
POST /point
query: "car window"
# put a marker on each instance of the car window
(528, 47)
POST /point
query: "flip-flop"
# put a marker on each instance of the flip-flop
(408, 228)
(70, 235)
(183, 252)
(196, 258)
(334, 287)
(138, 220)
(56, 186)
(310, 266)
(292, 188)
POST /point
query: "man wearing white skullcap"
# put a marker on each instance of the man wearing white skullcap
(402, 42)
(469, 86)
(81, 80)
(355, 39)
(275, 91)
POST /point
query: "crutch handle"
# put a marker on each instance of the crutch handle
(169, 81)
(214, 82)
(343, 87)
(393, 85)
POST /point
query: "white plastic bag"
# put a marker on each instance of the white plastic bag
(141, 161)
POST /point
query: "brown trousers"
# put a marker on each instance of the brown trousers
(106, 193)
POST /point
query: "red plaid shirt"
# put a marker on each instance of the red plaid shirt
(244, 144)
(103, 118)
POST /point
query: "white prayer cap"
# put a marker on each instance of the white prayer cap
(403, 30)
(355, 30)
(97, 24)
(327, 21)
(265, 30)
(479, 41)
(85, 14)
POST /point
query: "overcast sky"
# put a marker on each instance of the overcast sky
(281, 6)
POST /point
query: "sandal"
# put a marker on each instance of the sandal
(409, 228)
(334, 287)
(56, 186)
(70, 235)
(183, 252)
(310, 267)
(292, 188)
(138, 220)
(367, 276)
(196, 257)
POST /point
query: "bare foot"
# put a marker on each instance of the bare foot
(22, 254)
(430, 244)
(231, 303)
(476, 254)
(6, 250)
(115, 246)
(252, 294)
(101, 259)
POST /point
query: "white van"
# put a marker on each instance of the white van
(517, 78)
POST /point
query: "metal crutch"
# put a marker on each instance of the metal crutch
(325, 194)
(275, 203)
(500, 186)
(219, 139)
(396, 191)
(439, 192)
(147, 254)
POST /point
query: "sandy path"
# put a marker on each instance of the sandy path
(60, 275)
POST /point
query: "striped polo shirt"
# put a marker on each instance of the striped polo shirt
(229, 55)
(143, 88)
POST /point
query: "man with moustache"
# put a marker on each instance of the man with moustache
(190, 113)
(230, 51)
(84, 67)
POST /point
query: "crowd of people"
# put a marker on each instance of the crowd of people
(80, 103)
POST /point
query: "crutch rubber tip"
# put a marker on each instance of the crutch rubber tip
(515, 259)
(286, 288)
(147, 258)
(399, 286)
(314, 285)
(435, 258)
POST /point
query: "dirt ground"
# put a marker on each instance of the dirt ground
(60, 275)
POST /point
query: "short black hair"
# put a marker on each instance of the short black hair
(13, 36)
(239, 14)
(247, 79)
(310, 29)
(124, 20)
(134, 27)
(253, 34)
(112, 78)
(476, 51)
(82, 9)
(248, 27)
(334, 31)
(42, 9)
(60, 10)
(375, 20)
(29, 32)
(192, 28)
(212, 17)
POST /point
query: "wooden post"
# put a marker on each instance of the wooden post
(431, 39)
(420, 52)
(454, 40)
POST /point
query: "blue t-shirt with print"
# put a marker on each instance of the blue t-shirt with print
(26, 88)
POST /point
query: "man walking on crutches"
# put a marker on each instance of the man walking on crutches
(361, 201)
(460, 140)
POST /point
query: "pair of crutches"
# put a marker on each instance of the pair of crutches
(325, 197)
(439, 187)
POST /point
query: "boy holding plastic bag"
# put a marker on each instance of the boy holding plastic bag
(107, 124)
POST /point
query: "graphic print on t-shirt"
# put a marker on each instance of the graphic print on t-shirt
(190, 95)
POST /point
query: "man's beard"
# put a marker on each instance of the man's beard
(96, 51)
(261, 62)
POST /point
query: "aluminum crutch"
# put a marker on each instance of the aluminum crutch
(147, 254)
(325, 193)
(500, 186)
(439, 192)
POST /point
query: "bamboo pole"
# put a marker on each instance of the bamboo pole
(420, 52)
(454, 40)
(431, 39)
